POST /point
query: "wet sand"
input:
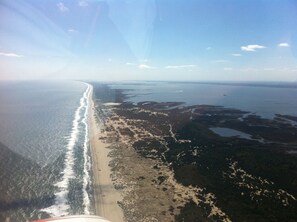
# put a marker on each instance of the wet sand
(106, 196)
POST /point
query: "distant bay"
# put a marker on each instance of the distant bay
(264, 99)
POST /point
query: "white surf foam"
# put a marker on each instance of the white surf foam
(87, 162)
(61, 206)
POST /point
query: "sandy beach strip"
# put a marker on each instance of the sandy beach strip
(106, 196)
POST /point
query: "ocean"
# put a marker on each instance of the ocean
(45, 157)
(263, 99)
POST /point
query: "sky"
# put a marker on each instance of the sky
(178, 40)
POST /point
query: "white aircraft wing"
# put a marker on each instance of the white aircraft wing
(76, 218)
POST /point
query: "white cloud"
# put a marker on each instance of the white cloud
(62, 7)
(209, 48)
(140, 66)
(130, 64)
(252, 48)
(144, 66)
(10, 55)
(283, 44)
(72, 31)
(179, 66)
(83, 3)
(236, 54)
(228, 69)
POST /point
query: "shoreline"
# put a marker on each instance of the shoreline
(106, 197)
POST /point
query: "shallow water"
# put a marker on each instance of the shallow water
(227, 132)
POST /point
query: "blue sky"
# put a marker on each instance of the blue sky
(233, 40)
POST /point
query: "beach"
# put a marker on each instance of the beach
(106, 196)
